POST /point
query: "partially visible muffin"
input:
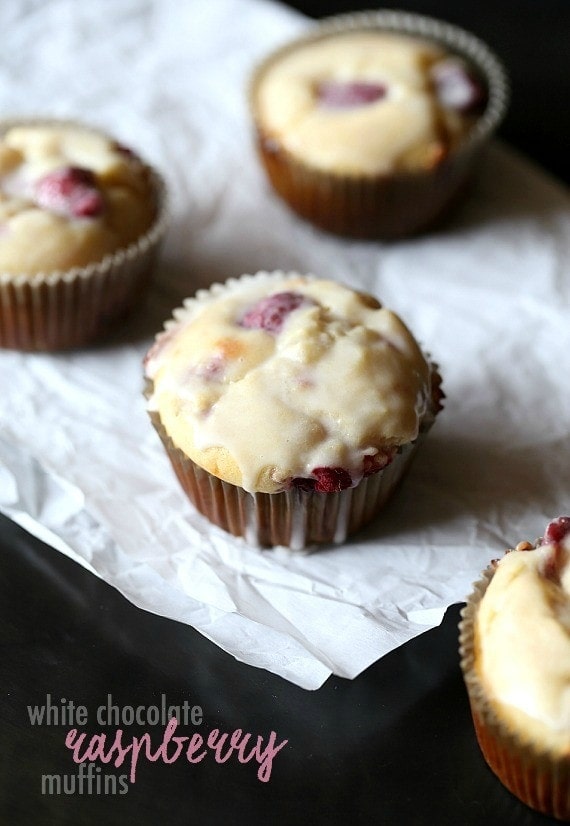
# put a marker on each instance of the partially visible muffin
(289, 406)
(515, 644)
(355, 120)
(81, 218)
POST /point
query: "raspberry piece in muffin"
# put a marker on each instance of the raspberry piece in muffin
(70, 191)
(457, 87)
(337, 95)
(324, 480)
(212, 369)
(331, 479)
(556, 530)
(270, 313)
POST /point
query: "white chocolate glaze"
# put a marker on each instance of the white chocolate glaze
(405, 129)
(342, 379)
(522, 638)
(34, 238)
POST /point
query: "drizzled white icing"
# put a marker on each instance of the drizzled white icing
(405, 128)
(523, 641)
(33, 238)
(343, 379)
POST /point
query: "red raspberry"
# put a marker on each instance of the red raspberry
(331, 479)
(552, 567)
(556, 530)
(457, 87)
(70, 191)
(338, 95)
(270, 313)
(325, 480)
(213, 369)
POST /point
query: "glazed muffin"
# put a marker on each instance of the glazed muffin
(289, 406)
(367, 127)
(515, 645)
(81, 218)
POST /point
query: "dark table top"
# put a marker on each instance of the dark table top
(394, 746)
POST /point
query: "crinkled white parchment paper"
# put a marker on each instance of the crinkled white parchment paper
(488, 296)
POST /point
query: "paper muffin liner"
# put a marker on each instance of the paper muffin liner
(294, 518)
(395, 204)
(539, 778)
(64, 309)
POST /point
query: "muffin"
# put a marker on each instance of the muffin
(290, 406)
(515, 647)
(81, 218)
(369, 125)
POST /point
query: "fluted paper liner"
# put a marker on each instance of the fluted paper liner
(389, 205)
(294, 518)
(539, 778)
(69, 308)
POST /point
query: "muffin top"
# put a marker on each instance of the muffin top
(366, 102)
(277, 380)
(522, 638)
(69, 196)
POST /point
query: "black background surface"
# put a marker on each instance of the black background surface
(394, 746)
